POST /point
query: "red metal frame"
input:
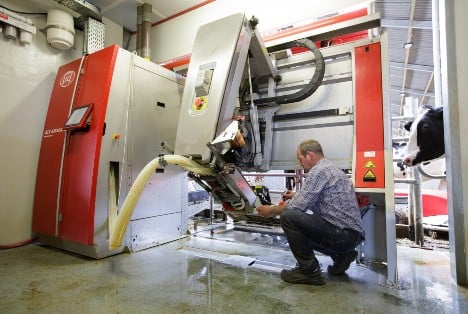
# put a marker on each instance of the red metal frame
(370, 160)
(183, 60)
(318, 24)
(76, 176)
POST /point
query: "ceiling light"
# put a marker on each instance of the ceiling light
(408, 45)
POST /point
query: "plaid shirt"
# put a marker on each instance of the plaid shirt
(328, 192)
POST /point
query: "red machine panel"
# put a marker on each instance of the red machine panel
(68, 162)
(50, 156)
(370, 163)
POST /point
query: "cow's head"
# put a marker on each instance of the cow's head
(426, 139)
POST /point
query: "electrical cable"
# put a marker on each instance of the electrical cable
(20, 12)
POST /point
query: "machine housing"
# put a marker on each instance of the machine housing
(90, 157)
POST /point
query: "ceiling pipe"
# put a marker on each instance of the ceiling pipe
(426, 89)
(139, 29)
(407, 52)
(436, 53)
(147, 13)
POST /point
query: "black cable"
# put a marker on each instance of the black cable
(315, 81)
(20, 12)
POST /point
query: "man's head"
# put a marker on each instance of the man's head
(309, 152)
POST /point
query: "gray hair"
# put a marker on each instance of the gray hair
(310, 146)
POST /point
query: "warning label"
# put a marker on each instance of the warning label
(369, 165)
(369, 176)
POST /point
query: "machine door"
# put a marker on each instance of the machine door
(46, 198)
(68, 163)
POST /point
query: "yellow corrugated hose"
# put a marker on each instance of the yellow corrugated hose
(118, 223)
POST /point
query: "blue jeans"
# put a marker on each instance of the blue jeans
(306, 233)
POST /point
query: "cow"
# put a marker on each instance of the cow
(426, 139)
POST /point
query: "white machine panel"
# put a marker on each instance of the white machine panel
(209, 71)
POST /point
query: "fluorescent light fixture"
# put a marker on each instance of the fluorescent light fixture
(408, 45)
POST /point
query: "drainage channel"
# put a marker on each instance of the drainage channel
(235, 259)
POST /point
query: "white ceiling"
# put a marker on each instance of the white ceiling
(411, 70)
(124, 12)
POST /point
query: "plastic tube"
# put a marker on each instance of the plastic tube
(118, 223)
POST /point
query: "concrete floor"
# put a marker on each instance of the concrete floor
(234, 273)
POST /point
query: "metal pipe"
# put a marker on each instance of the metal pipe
(408, 181)
(430, 176)
(145, 32)
(139, 28)
(261, 174)
(402, 118)
(436, 53)
(419, 231)
(407, 52)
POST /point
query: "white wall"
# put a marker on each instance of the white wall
(27, 73)
(175, 37)
(114, 33)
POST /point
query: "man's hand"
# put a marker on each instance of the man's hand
(287, 195)
(265, 210)
(270, 210)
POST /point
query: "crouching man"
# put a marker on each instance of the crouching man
(323, 216)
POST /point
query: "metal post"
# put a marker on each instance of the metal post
(139, 29)
(419, 231)
(145, 31)
(411, 211)
(211, 214)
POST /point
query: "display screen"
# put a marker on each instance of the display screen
(78, 117)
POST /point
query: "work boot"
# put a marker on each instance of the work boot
(341, 262)
(296, 275)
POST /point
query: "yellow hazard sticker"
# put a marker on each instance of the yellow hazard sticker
(369, 176)
(200, 103)
(369, 165)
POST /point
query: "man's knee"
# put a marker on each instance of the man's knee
(290, 217)
(284, 218)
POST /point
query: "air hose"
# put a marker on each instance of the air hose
(118, 222)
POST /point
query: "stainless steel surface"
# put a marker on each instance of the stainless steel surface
(336, 132)
(218, 46)
(94, 34)
(145, 117)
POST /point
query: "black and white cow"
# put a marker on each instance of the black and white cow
(426, 139)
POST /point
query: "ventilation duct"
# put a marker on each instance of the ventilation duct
(147, 13)
(60, 29)
(14, 24)
(83, 8)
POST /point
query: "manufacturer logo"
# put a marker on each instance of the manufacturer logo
(67, 79)
(51, 132)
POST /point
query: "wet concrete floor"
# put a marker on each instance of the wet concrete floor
(200, 274)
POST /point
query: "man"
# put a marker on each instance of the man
(322, 216)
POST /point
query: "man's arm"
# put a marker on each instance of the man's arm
(270, 210)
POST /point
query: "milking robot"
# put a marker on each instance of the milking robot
(246, 104)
